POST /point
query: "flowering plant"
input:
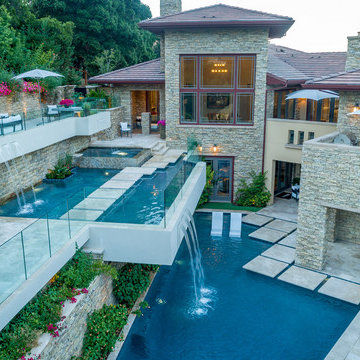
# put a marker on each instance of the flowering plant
(31, 88)
(67, 102)
(161, 122)
(5, 89)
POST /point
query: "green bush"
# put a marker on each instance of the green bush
(62, 169)
(18, 337)
(103, 330)
(204, 198)
(133, 279)
(255, 193)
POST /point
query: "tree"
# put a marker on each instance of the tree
(103, 25)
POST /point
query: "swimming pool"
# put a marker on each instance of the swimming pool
(251, 316)
(111, 152)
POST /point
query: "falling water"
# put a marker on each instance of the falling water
(26, 162)
(10, 175)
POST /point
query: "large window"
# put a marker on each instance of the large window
(217, 90)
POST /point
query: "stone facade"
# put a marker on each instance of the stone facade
(329, 186)
(170, 7)
(70, 341)
(33, 167)
(353, 53)
(116, 116)
(245, 143)
(351, 124)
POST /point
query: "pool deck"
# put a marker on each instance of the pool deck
(136, 141)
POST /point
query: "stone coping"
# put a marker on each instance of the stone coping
(131, 319)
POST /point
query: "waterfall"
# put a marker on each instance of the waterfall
(18, 150)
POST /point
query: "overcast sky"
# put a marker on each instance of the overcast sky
(320, 25)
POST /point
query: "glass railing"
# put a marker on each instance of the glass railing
(44, 115)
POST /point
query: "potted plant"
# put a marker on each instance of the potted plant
(161, 124)
(67, 102)
(87, 108)
(61, 171)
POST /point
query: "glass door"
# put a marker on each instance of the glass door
(222, 168)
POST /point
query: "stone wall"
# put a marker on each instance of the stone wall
(353, 53)
(70, 341)
(245, 143)
(33, 167)
(347, 226)
(116, 116)
(329, 183)
(170, 7)
(138, 104)
(348, 99)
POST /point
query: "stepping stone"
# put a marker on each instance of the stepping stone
(139, 170)
(77, 214)
(118, 184)
(127, 176)
(290, 240)
(281, 225)
(341, 289)
(302, 277)
(257, 220)
(158, 165)
(95, 204)
(265, 266)
(268, 235)
(107, 193)
(281, 253)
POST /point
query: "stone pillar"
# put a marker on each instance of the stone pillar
(170, 7)
(145, 123)
(162, 53)
(353, 53)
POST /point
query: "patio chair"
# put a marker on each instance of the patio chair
(52, 111)
(235, 225)
(295, 191)
(217, 223)
(125, 128)
(11, 121)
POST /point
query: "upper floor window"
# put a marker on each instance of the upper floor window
(217, 89)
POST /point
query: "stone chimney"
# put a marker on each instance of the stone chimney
(353, 53)
(170, 7)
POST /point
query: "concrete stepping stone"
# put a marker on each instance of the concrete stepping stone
(95, 204)
(158, 165)
(265, 266)
(78, 214)
(139, 170)
(302, 277)
(268, 235)
(341, 289)
(282, 225)
(118, 184)
(127, 176)
(257, 220)
(281, 253)
(107, 194)
(290, 240)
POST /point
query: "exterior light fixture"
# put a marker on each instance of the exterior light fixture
(215, 148)
(200, 148)
(356, 107)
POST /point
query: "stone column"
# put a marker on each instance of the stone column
(145, 123)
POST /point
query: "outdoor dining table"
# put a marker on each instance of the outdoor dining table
(71, 109)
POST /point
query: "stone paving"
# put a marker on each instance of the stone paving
(281, 225)
(281, 253)
(302, 277)
(341, 289)
(257, 220)
(265, 266)
(269, 235)
(290, 240)
(136, 141)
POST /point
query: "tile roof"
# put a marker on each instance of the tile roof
(220, 15)
(291, 64)
(143, 73)
(349, 80)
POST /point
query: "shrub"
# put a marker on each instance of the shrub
(61, 169)
(255, 193)
(103, 330)
(133, 279)
(204, 198)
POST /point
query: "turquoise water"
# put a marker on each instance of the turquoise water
(249, 316)
(111, 152)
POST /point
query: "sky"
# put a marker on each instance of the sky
(320, 25)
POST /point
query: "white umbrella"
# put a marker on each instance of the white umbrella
(313, 94)
(37, 74)
(356, 112)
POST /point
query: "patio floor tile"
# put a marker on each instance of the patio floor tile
(265, 266)
(302, 277)
(268, 235)
(257, 220)
(341, 289)
(282, 225)
(290, 240)
(282, 253)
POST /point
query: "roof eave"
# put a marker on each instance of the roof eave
(128, 81)
(332, 86)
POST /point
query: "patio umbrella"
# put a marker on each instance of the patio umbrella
(37, 74)
(357, 112)
(313, 94)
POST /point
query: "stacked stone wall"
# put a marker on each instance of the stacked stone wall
(116, 116)
(353, 53)
(348, 227)
(245, 143)
(329, 183)
(346, 123)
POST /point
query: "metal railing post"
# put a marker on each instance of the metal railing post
(23, 250)
(48, 230)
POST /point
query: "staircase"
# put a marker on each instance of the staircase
(159, 148)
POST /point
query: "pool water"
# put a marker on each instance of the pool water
(251, 316)
(111, 152)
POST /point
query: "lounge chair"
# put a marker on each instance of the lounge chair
(235, 225)
(125, 128)
(217, 223)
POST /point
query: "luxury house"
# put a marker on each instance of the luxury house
(216, 76)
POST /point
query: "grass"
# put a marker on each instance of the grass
(227, 206)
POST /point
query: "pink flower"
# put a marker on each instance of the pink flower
(84, 291)
(67, 102)
(161, 122)
(73, 300)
